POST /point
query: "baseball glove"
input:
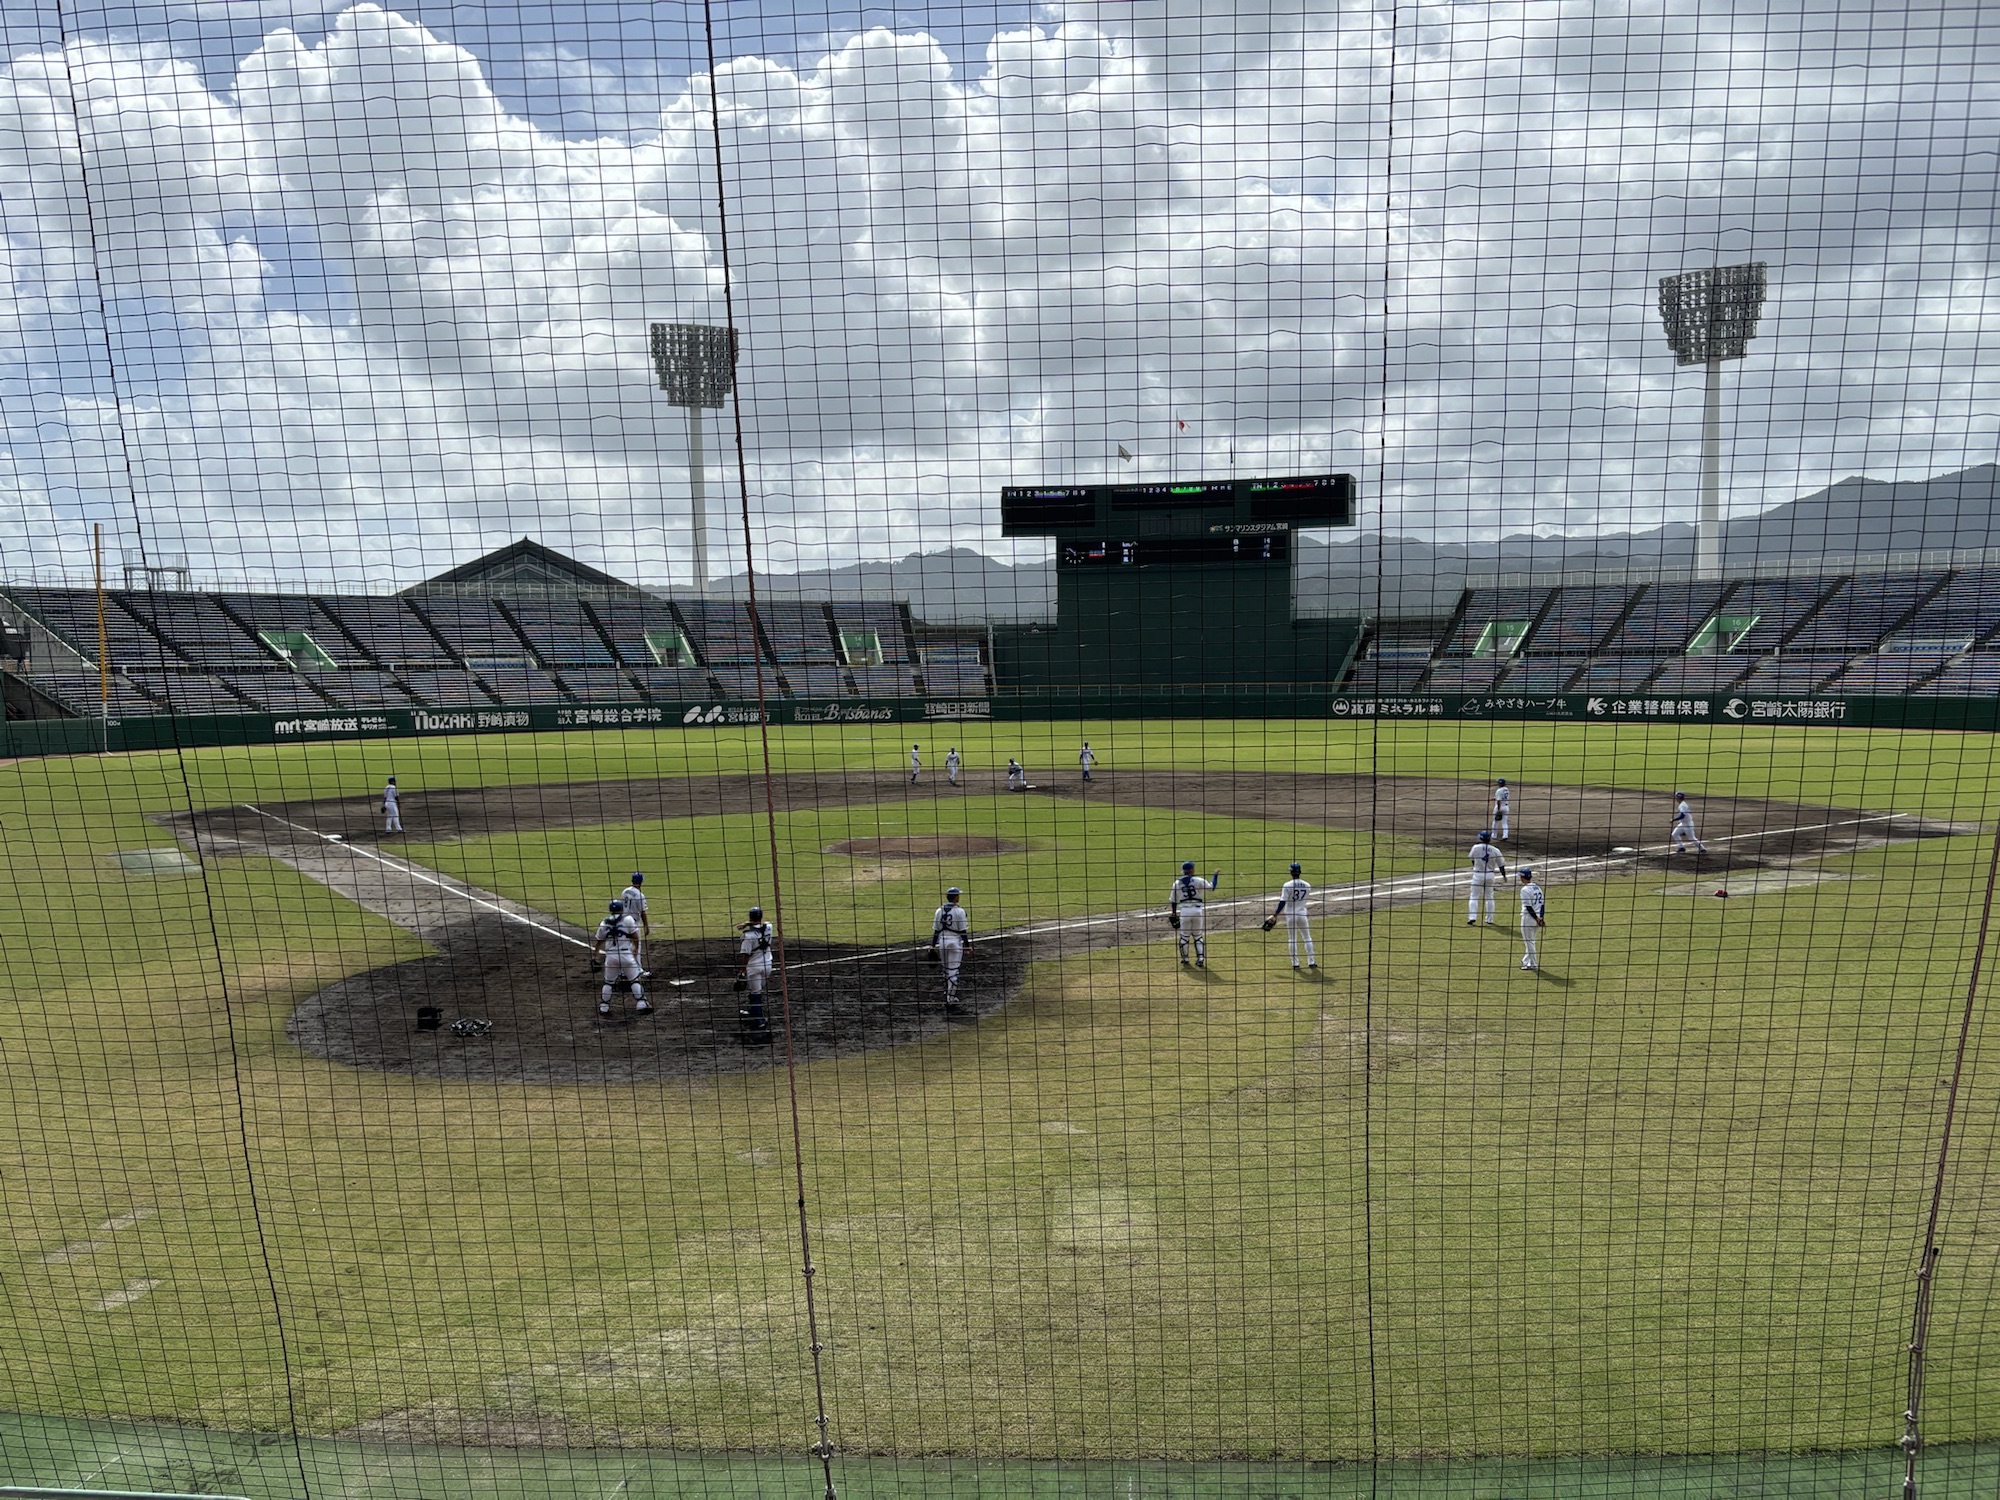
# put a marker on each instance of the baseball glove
(740, 984)
(1269, 923)
(931, 952)
(597, 966)
(1174, 920)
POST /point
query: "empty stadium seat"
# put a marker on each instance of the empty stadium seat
(562, 634)
(388, 631)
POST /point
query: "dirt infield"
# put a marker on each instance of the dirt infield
(1548, 820)
(542, 1001)
(924, 846)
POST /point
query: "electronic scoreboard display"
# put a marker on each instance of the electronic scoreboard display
(1270, 547)
(1222, 508)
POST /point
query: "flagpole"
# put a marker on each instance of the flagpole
(103, 634)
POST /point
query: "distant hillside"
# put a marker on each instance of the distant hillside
(1857, 516)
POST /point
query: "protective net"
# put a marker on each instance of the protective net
(1085, 749)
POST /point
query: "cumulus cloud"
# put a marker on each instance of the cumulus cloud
(346, 315)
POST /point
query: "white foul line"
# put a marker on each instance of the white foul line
(404, 867)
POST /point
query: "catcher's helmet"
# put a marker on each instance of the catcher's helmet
(618, 908)
(756, 913)
(1187, 867)
(1297, 868)
(953, 894)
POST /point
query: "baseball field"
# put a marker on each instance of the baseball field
(1663, 1197)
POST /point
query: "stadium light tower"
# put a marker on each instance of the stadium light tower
(696, 363)
(1711, 315)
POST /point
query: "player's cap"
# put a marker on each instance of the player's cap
(1187, 867)
(1680, 794)
(1503, 781)
(953, 894)
(617, 908)
(392, 781)
(637, 878)
(1297, 868)
(1527, 874)
(756, 913)
(1485, 835)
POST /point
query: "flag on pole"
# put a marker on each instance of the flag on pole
(1183, 424)
(1124, 453)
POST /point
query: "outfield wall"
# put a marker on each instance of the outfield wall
(28, 737)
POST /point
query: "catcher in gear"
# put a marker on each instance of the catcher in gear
(951, 935)
(1187, 911)
(753, 967)
(616, 944)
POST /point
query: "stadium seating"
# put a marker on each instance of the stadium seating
(884, 621)
(363, 688)
(475, 631)
(1463, 677)
(819, 682)
(522, 685)
(893, 682)
(285, 615)
(79, 691)
(388, 630)
(199, 630)
(561, 633)
(798, 634)
(1701, 674)
(446, 689)
(278, 692)
(600, 684)
(1964, 611)
(190, 692)
(1792, 674)
(1976, 674)
(1862, 610)
(1543, 675)
(1494, 622)
(675, 683)
(1664, 617)
(721, 633)
(72, 614)
(1578, 620)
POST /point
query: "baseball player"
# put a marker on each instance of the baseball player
(1292, 898)
(1489, 867)
(1017, 779)
(753, 968)
(916, 763)
(392, 814)
(951, 935)
(1683, 829)
(1534, 917)
(1503, 803)
(634, 900)
(951, 765)
(1187, 911)
(1086, 757)
(616, 945)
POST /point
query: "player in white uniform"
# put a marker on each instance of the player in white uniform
(1292, 898)
(916, 763)
(392, 815)
(1017, 779)
(634, 900)
(951, 935)
(1503, 804)
(1683, 830)
(1086, 757)
(617, 946)
(951, 765)
(1187, 911)
(1534, 917)
(753, 969)
(1489, 866)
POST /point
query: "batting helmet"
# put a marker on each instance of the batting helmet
(756, 913)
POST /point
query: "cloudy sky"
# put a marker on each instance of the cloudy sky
(349, 295)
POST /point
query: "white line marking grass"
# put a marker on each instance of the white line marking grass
(78, 1249)
(127, 1294)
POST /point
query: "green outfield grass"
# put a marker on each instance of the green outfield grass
(1665, 1197)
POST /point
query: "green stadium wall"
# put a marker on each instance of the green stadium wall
(31, 737)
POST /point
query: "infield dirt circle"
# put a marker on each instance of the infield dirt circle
(924, 846)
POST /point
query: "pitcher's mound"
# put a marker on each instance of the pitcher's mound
(924, 846)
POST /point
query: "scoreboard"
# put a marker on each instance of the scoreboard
(1145, 516)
